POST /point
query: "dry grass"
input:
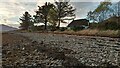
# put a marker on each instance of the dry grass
(109, 33)
(92, 32)
(87, 32)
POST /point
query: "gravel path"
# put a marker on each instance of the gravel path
(91, 51)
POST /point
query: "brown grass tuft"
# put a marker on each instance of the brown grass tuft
(92, 32)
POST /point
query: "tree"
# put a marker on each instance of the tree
(26, 21)
(52, 17)
(118, 12)
(91, 16)
(118, 9)
(42, 13)
(102, 9)
(64, 9)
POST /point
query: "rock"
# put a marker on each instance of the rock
(34, 42)
(23, 48)
(41, 42)
(66, 41)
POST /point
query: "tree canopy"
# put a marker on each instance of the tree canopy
(26, 21)
(99, 14)
(64, 9)
(42, 13)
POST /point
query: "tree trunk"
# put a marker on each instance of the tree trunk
(118, 9)
(118, 12)
(103, 16)
(59, 15)
(58, 24)
(46, 23)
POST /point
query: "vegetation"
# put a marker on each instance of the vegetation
(53, 18)
(42, 13)
(109, 24)
(92, 32)
(26, 21)
(77, 28)
(64, 9)
(59, 11)
(99, 14)
(63, 28)
(104, 21)
(54, 14)
(102, 9)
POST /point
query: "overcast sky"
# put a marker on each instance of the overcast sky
(11, 10)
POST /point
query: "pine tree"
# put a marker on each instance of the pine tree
(42, 13)
(64, 9)
(26, 21)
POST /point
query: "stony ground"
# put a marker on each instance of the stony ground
(59, 50)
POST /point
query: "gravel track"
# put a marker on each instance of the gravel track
(89, 50)
(59, 50)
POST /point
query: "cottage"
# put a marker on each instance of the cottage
(84, 23)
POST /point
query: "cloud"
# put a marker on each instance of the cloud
(11, 10)
(83, 8)
(41, 2)
(92, 0)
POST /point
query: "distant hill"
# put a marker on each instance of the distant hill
(4, 28)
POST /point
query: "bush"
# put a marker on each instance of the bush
(118, 33)
(77, 28)
(109, 25)
(63, 28)
(93, 25)
(53, 29)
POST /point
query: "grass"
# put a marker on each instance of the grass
(92, 32)
(86, 32)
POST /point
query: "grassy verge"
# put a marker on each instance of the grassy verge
(92, 32)
(87, 32)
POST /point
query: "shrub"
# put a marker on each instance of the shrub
(109, 25)
(118, 33)
(37, 28)
(63, 28)
(77, 28)
(93, 25)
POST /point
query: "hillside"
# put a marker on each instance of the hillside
(112, 23)
(5, 28)
(113, 19)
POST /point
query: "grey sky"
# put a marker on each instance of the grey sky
(82, 8)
